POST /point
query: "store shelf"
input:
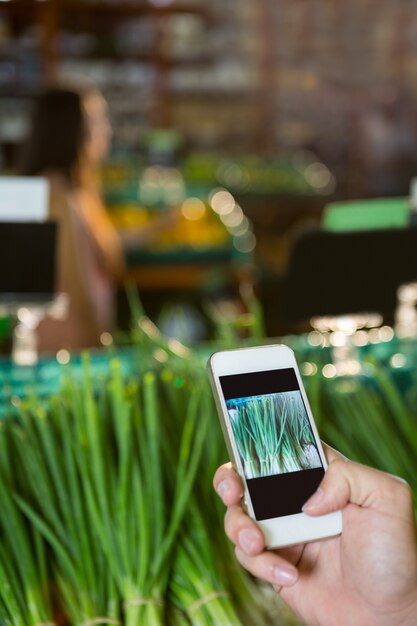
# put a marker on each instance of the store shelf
(283, 57)
(164, 60)
(124, 9)
(19, 7)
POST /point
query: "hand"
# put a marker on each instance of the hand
(365, 577)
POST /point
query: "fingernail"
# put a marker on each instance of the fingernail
(223, 488)
(248, 541)
(285, 575)
(315, 500)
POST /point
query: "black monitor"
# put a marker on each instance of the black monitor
(344, 273)
(27, 263)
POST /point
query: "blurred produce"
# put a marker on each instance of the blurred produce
(207, 219)
(104, 516)
(295, 173)
(195, 226)
(204, 219)
(5, 328)
(112, 473)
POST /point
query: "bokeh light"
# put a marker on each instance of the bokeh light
(193, 209)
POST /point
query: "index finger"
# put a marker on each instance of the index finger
(228, 485)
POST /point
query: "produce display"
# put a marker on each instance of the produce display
(371, 418)
(214, 203)
(293, 173)
(196, 225)
(200, 216)
(108, 513)
(5, 329)
(137, 194)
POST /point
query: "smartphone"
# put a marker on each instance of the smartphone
(272, 441)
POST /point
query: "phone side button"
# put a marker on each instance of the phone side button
(245, 503)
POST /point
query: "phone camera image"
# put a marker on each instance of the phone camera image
(273, 434)
(274, 439)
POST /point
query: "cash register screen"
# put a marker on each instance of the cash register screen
(27, 262)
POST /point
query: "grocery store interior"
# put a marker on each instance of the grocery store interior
(288, 108)
(177, 178)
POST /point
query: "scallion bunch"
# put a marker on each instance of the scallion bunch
(108, 513)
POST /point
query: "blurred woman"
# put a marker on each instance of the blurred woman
(69, 137)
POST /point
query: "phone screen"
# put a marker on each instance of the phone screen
(276, 443)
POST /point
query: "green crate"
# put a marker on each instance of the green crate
(378, 213)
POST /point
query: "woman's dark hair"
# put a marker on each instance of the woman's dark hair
(56, 135)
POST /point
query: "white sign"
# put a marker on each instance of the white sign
(23, 199)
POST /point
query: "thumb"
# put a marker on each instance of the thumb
(346, 482)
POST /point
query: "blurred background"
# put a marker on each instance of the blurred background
(287, 106)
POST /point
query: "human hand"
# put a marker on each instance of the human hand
(367, 576)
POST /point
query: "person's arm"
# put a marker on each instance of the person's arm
(105, 237)
(365, 577)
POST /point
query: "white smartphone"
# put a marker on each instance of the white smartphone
(272, 441)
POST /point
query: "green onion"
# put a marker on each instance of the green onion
(273, 434)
